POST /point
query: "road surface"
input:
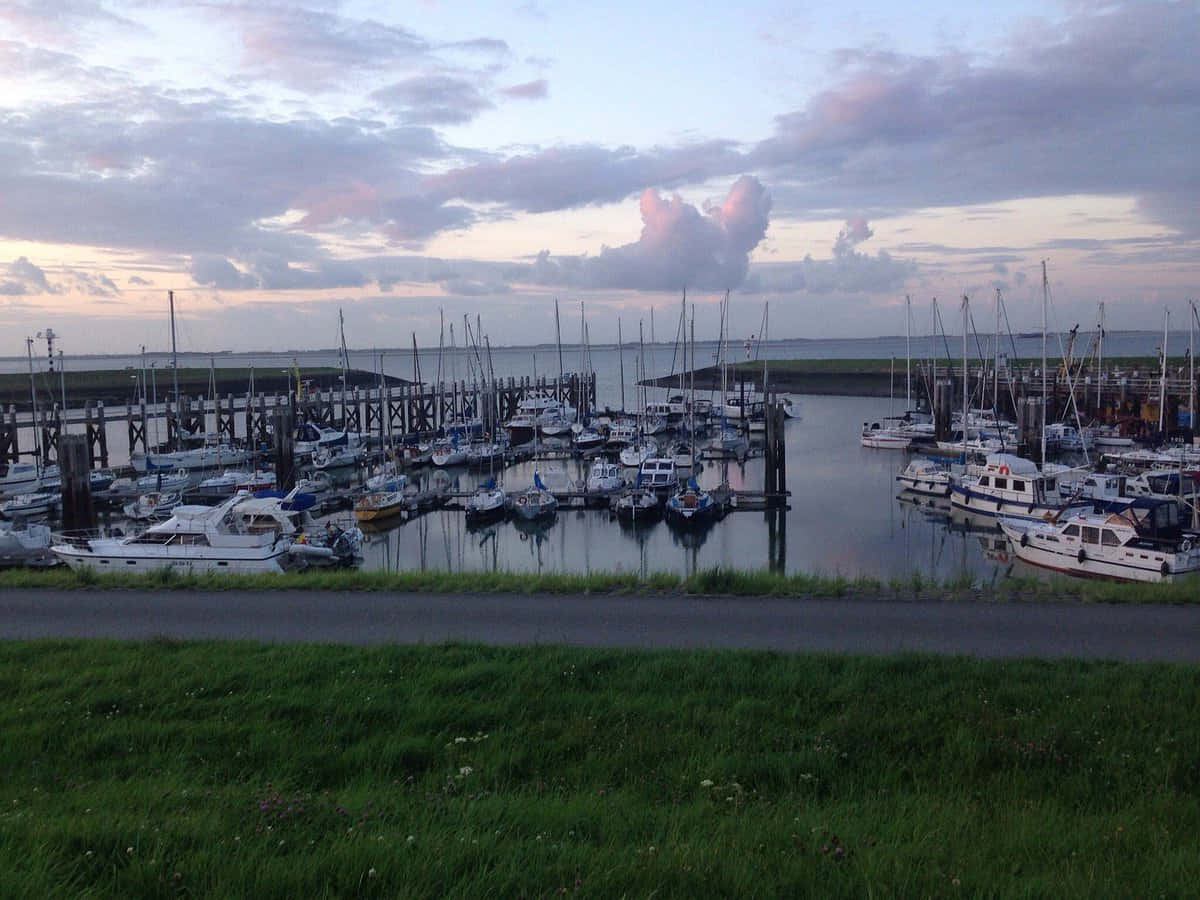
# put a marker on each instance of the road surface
(1125, 632)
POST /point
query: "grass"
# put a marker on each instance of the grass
(240, 770)
(716, 580)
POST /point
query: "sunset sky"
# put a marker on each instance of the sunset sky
(272, 162)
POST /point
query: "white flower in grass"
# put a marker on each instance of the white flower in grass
(706, 783)
(465, 771)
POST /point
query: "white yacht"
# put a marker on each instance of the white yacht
(195, 538)
(535, 502)
(605, 478)
(448, 452)
(658, 474)
(638, 452)
(924, 476)
(25, 505)
(1012, 486)
(486, 503)
(1141, 542)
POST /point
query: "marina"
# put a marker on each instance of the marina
(808, 497)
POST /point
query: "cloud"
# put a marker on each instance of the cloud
(434, 100)
(218, 272)
(530, 90)
(1098, 102)
(680, 246)
(139, 281)
(848, 271)
(23, 277)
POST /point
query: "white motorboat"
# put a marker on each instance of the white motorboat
(658, 474)
(604, 478)
(24, 543)
(26, 505)
(1008, 485)
(1143, 541)
(587, 439)
(1068, 438)
(620, 436)
(194, 538)
(924, 476)
(153, 505)
(288, 515)
(28, 477)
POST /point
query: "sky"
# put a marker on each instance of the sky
(272, 163)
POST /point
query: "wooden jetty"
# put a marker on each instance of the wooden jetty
(393, 412)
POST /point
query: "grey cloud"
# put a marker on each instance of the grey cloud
(218, 272)
(530, 90)
(470, 288)
(434, 99)
(22, 271)
(579, 175)
(139, 281)
(1098, 104)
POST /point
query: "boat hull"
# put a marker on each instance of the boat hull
(112, 555)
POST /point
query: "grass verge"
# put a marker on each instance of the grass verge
(716, 581)
(239, 770)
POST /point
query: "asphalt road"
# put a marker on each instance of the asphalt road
(1125, 632)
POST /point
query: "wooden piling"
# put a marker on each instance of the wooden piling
(285, 448)
(78, 512)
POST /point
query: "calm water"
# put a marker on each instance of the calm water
(844, 520)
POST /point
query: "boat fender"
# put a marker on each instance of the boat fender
(1186, 546)
(1165, 568)
(1024, 539)
(1082, 555)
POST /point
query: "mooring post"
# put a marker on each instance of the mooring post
(78, 513)
(285, 448)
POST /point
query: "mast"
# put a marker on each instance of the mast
(558, 342)
(174, 360)
(1100, 360)
(996, 361)
(1162, 380)
(621, 359)
(1191, 371)
(62, 385)
(907, 353)
(692, 393)
(966, 375)
(1045, 300)
(583, 383)
(37, 441)
(345, 362)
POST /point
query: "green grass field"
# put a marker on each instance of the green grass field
(238, 770)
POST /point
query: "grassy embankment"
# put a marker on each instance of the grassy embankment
(118, 385)
(713, 581)
(238, 770)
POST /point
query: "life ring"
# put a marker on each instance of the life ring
(522, 500)
(1003, 470)
(1002, 557)
(1081, 555)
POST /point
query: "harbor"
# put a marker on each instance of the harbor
(803, 499)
